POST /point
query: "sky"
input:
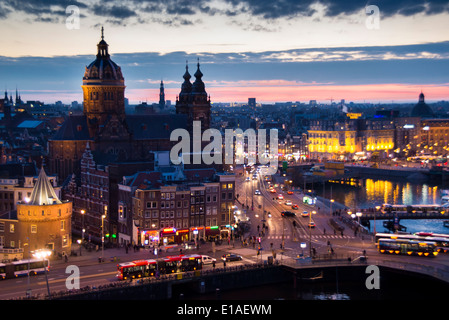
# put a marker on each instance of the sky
(275, 51)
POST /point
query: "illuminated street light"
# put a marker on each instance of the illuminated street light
(44, 255)
(102, 237)
(82, 230)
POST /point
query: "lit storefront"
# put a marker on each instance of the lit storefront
(149, 237)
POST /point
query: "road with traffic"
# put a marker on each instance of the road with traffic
(287, 237)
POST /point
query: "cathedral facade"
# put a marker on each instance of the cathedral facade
(113, 135)
(113, 143)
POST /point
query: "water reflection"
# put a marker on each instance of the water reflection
(373, 192)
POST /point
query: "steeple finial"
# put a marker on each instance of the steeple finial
(102, 33)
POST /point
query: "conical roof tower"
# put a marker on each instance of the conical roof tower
(43, 192)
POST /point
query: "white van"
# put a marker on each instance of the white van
(207, 259)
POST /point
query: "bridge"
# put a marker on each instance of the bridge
(378, 215)
(436, 174)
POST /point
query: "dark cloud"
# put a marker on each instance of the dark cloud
(116, 10)
(113, 12)
(387, 8)
(41, 9)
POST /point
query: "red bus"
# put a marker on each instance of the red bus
(136, 269)
(167, 265)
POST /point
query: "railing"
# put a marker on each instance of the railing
(190, 275)
(440, 272)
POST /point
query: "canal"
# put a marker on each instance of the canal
(369, 193)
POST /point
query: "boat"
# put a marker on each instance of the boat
(446, 223)
(445, 199)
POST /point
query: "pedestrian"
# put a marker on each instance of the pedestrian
(324, 230)
(213, 264)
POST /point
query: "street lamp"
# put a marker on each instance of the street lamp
(358, 214)
(374, 229)
(82, 229)
(44, 254)
(303, 245)
(102, 237)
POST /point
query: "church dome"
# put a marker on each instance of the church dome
(103, 69)
(422, 109)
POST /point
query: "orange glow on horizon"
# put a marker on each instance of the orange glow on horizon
(373, 93)
(275, 91)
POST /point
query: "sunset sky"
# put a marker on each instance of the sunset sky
(285, 50)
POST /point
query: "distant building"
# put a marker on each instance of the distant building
(434, 137)
(252, 103)
(422, 109)
(161, 97)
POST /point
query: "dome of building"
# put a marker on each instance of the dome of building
(103, 69)
(422, 109)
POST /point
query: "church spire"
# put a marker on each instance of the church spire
(102, 46)
(161, 96)
(186, 87)
(198, 85)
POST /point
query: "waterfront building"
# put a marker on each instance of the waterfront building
(377, 137)
(434, 137)
(333, 139)
(407, 136)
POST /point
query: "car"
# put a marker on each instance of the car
(254, 177)
(288, 203)
(295, 207)
(231, 257)
(304, 214)
(280, 197)
(289, 192)
(257, 192)
(247, 179)
(288, 214)
(273, 190)
(311, 224)
(208, 260)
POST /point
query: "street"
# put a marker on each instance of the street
(286, 237)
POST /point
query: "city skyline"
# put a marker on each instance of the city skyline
(289, 52)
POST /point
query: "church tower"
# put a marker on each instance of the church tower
(161, 96)
(193, 100)
(103, 89)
